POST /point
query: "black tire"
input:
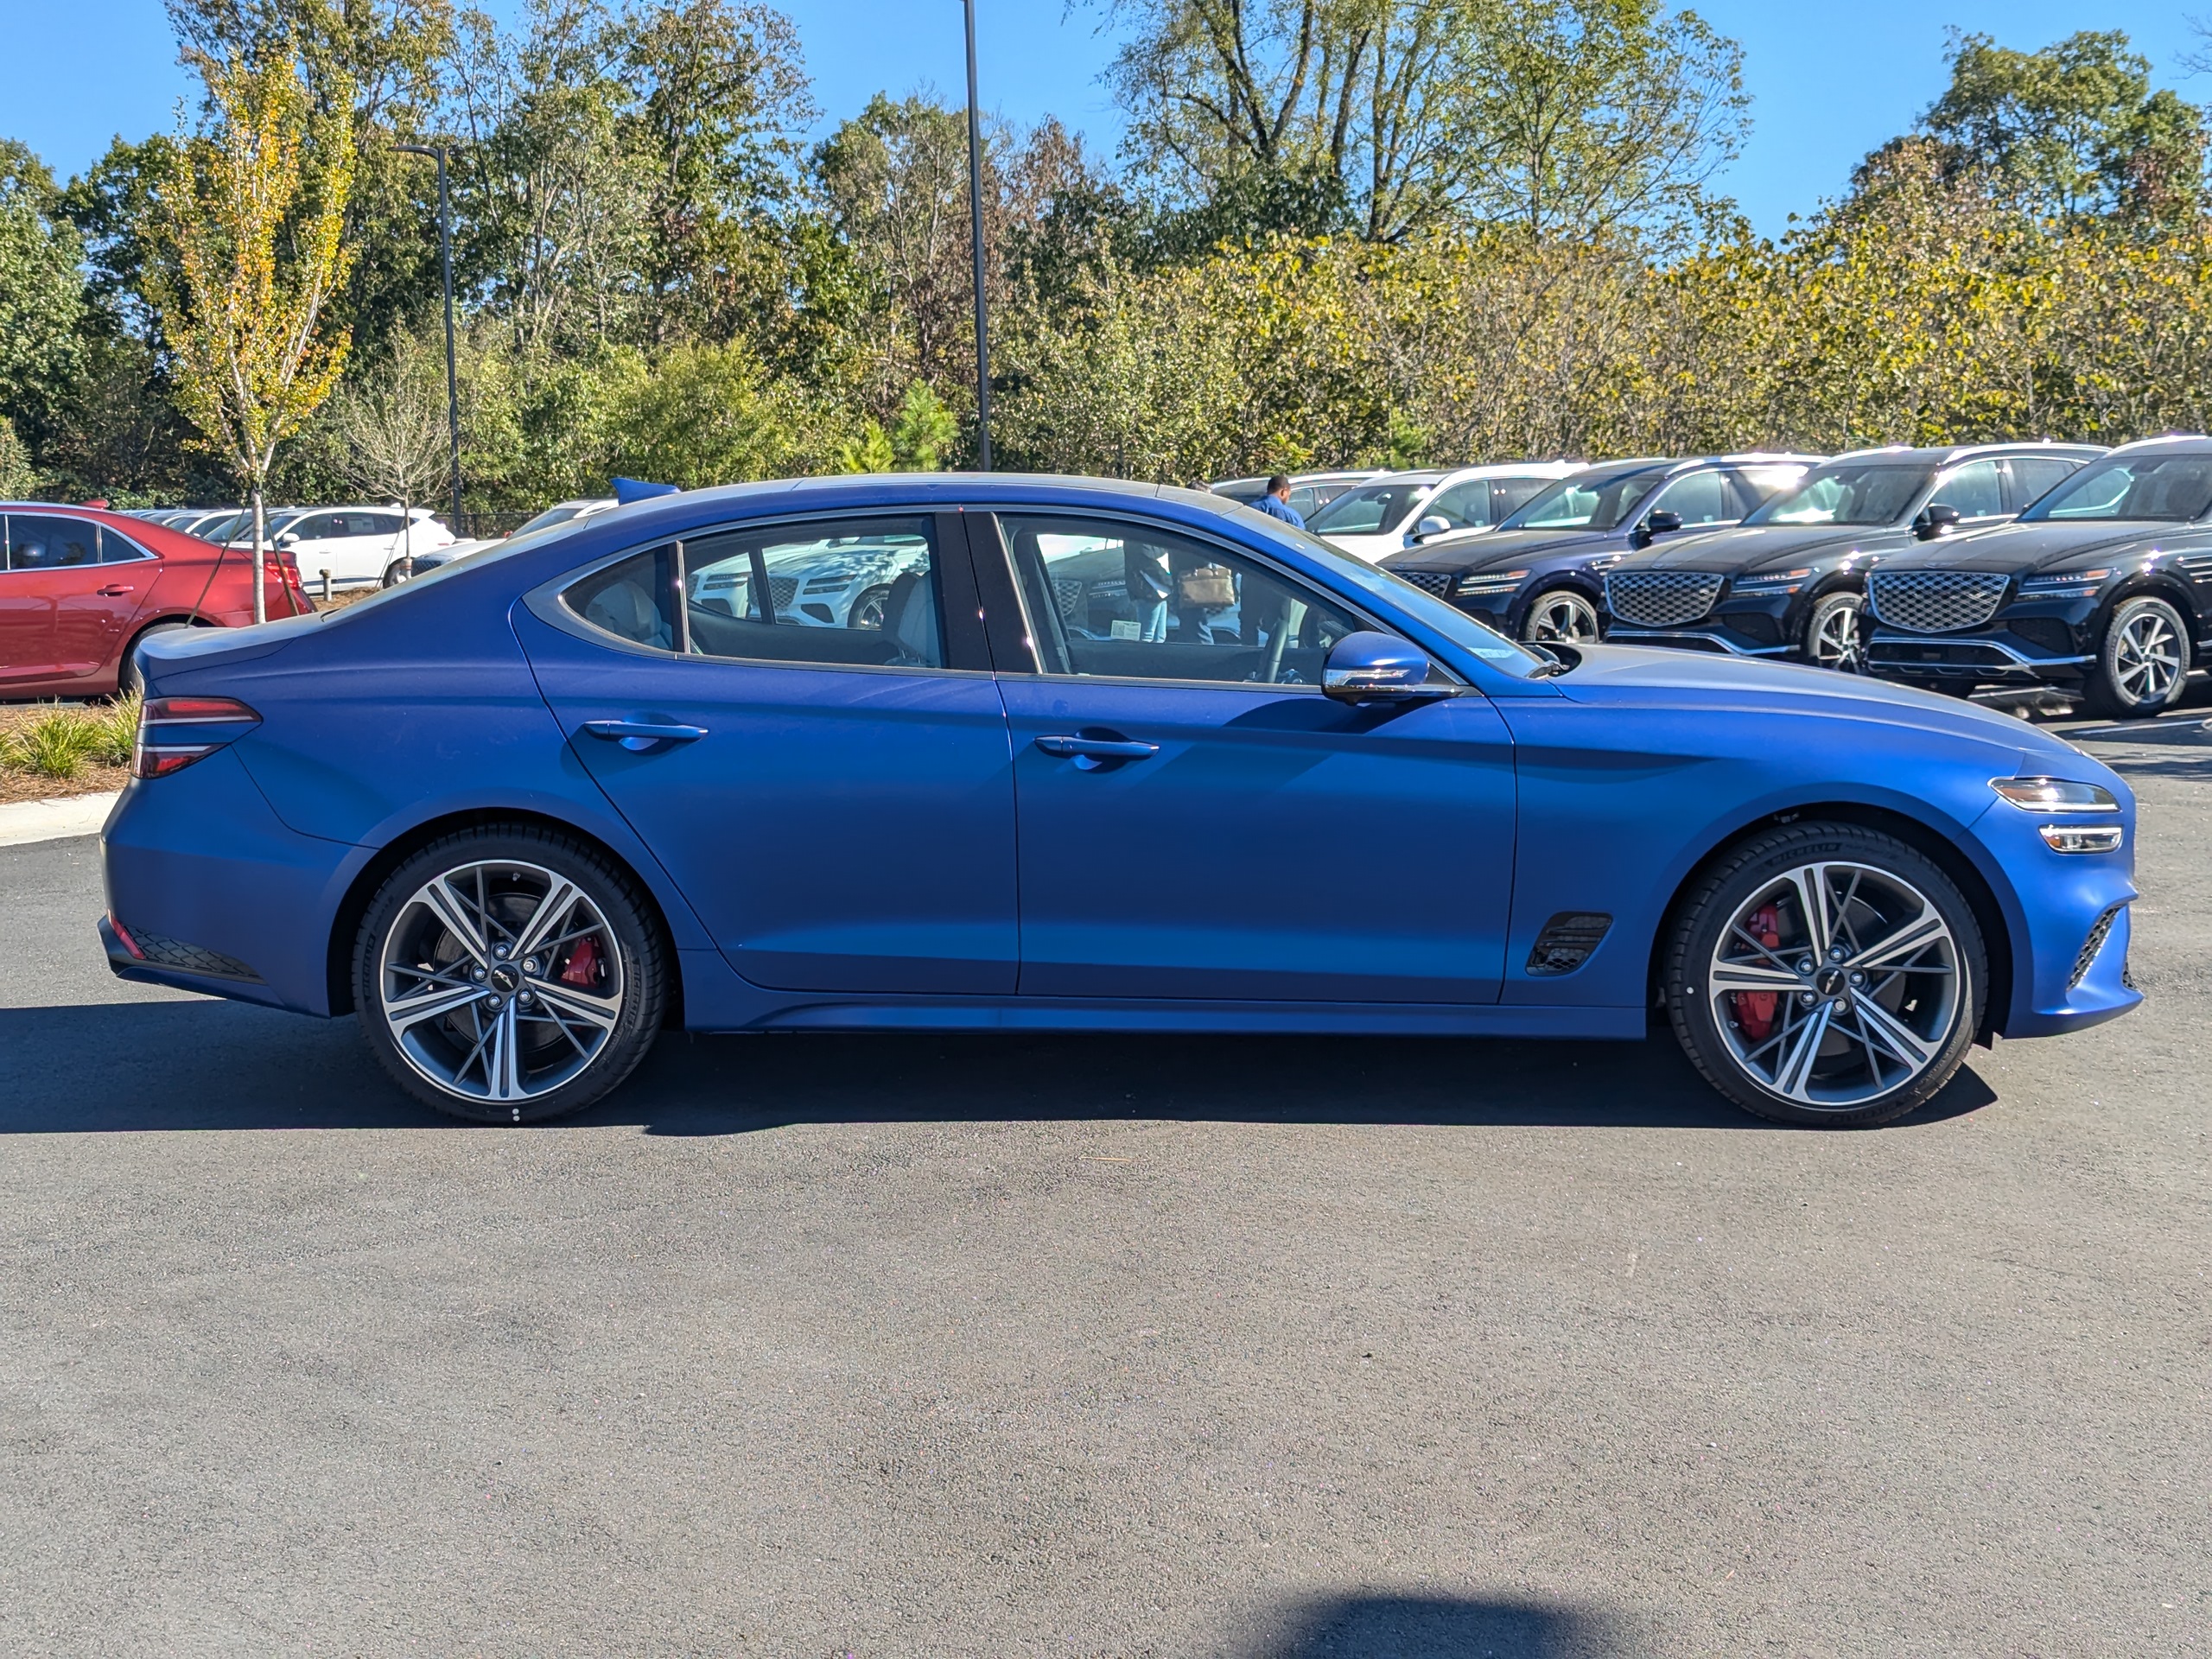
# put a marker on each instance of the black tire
(625, 921)
(2121, 687)
(1830, 641)
(128, 681)
(1738, 879)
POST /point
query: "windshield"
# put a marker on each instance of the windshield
(1594, 500)
(2164, 488)
(546, 519)
(1505, 655)
(1860, 493)
(1373, 509)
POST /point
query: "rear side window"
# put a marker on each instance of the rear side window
(1506, 494)
(39, 541)
(116, 547)
(2037, 475)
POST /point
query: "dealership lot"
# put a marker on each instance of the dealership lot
(1117, 1345)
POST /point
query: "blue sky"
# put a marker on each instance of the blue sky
(1829, 81)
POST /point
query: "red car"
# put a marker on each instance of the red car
(79, 588)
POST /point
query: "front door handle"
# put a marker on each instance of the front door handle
(639, 734)
(116, 593)
(1092, 753)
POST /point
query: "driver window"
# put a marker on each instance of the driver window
(1975, 490)
(1700, 499)
(1462, 505)
(1126, 600)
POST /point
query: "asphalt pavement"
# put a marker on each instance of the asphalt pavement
(886, 1345)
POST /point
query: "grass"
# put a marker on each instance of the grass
(59, 742)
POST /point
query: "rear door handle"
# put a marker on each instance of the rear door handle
(1099, 748)
(643, 734)
(116, 593)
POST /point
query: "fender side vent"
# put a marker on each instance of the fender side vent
(1567, 942)
(2087, 956)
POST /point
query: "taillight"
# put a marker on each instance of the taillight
(174, 731)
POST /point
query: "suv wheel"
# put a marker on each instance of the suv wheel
(2142, 662)
(1832, 635)
(508, 976)
(1560, 616)
(1826, 974)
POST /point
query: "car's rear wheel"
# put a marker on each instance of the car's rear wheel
(2142, 662)
(1561, 616)
(509, 975)
(129, 680)
(868, 609)
(1832, 636)
(1826, 974)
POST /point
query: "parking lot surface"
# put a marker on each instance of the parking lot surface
(908, 1346)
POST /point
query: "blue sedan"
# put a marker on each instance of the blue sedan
(1103, 757)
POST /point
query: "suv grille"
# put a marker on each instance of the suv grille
(1431, 581)
(1661, 598)
(1935, 601)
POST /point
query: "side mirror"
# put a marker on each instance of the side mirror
(1371, 667)
(1937, 518)
(1434, 525)
(1662, 523)
(288, 540)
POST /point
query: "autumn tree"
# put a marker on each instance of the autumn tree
(392, 430)
(255, 214)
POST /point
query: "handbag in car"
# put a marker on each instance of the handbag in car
(1208, 588)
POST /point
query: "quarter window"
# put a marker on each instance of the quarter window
(1119, 600)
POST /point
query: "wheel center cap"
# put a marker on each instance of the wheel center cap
(1829, 982)
(505, 979)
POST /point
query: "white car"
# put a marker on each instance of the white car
(844, 583)
(356, 545)
(1399, 510)
(1309, 492)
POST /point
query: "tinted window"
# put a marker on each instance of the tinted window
(1509, 494)
(1593, 500)
(1975, 489)
(1849, 493)
(634, 600)
(1462, 507)
(1700, 499)
(1126, 600)
(2164, 488)
(851, 592)
(2034, 476)
(1371, 508)
(41, 543)
(116, 547)
(307, 526)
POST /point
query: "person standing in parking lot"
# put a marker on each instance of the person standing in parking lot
(1276, 502)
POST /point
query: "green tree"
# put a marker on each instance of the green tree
(18, 481)
(920, 434)
(42, 295)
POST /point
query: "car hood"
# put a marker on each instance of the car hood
(2026, 549)
(1708, 681)
(1498, 548)
(1743, 548)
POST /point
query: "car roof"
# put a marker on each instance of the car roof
(1942, 455)
(2183, 442)
(1517, 469)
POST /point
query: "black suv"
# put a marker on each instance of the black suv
(1787, 581)
(1537, 577)
(2103, 590)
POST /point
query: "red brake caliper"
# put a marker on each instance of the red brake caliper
(582, 970)
(1755, 1009)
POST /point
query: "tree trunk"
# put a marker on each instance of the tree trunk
(260, 543)
(407, 534)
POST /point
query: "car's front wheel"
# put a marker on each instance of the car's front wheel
(2142, 662)
(1832, 636)
(1826, 974)
(509, 975)
(1561, 616)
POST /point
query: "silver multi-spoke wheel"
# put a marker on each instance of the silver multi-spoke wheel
(2148, 655)
(498, 982)
(1834, 637)
(1835, 985)
(1561, 617)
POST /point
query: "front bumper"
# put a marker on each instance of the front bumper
(1740, 625)
(2068, 917)
(1983, 657)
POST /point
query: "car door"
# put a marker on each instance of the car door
(836, 803)
(1195, 818)
(61, 615)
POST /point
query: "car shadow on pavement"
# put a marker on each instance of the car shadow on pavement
(157, 1066)
(1445, 1627)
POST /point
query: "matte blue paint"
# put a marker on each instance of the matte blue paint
(891, 849)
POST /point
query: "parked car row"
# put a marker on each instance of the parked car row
(356, 546)
(1964, 567)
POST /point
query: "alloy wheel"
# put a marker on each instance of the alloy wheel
(1836, 640)
(1834, 984)
(2147, 658)
(1563, 617)
(500, 982)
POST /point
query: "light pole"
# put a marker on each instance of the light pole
(445, 259)
(976, 239)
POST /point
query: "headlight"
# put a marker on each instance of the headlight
(1491, 581)
(1772, 579)
(2082, 582)
(2055, 795)
(2081, 838)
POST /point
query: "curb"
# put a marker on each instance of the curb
(24, 822)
